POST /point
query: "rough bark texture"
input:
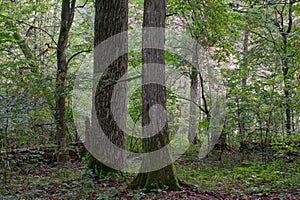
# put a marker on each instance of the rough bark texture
(67, 15)
(111, 18)
(154, 16)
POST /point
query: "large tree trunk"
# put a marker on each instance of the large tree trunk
(67, 15)
(111, 18)
(154, 94)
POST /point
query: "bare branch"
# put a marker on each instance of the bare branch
(171, 14)
(290, 24)
(83, 4)
(76, 54)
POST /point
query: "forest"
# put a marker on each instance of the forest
(150, 99)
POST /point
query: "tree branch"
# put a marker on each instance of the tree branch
(27, 52)
(72, 13)
(290, 24)
(83, 4)
(171, 14)
(30, 25)
(76, 54)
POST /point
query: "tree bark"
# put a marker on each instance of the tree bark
(193, 95)
(154, 94)
(111, 18)
(67, 16)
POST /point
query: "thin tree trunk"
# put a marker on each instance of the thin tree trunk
(67, 15)
(285, 32)
(193, 108)
(241, 112)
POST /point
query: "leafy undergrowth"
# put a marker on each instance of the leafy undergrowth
(73, 181)
(276, 179)
(247, 180)
(242, 175)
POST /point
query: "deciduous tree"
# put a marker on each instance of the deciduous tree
(153, 94)
(111, 18)
(67, 16)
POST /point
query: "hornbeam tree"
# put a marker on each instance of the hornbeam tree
(67, 16)
(154, 94)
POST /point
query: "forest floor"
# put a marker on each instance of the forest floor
(216, 177)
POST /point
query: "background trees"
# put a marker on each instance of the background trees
(261, 66)
(29, 48)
